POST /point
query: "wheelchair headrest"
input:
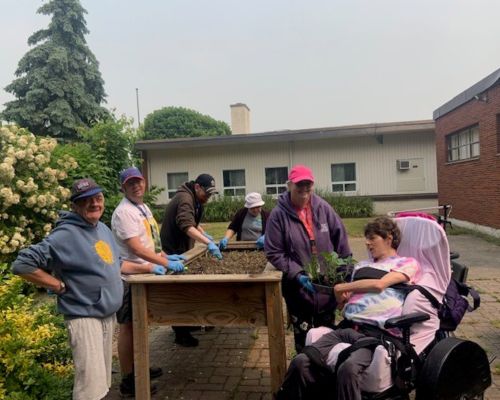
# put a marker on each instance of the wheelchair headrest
(425, 240)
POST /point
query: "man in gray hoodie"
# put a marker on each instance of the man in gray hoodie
(79, 261)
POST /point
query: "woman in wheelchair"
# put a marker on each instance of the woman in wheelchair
(349, 360)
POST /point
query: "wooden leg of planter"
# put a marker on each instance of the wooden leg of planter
(275, 326)
(141, 341)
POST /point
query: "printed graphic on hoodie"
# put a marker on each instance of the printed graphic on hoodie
(104, 251)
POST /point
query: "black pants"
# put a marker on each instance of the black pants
(305, 380)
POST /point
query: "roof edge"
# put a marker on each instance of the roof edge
(468, 94)
(374, 129)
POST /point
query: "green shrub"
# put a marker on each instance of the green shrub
(105, 150)
(35, 358)
(31, 188)
(348, 206)
(223, 208)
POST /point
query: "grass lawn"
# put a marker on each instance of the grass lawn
(354, 227)
(456, 230)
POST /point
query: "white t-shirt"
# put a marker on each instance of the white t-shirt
(132, 220)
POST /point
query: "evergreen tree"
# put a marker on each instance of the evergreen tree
(58, 88)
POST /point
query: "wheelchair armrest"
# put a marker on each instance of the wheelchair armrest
(405, 321)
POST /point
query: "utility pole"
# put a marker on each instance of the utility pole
(138, 114)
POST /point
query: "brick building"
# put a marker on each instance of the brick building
(468, 155)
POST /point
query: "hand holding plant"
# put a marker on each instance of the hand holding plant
(336, 269)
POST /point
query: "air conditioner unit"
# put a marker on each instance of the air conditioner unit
(403, 165)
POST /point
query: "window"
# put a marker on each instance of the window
(276, 180)
(344, 177)
(234, 182)
(463, 145)
(175, 180)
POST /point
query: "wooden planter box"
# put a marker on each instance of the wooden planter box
(238, 300)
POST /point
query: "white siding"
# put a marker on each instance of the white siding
(376, 171)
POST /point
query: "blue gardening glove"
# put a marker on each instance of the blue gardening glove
(175, 257)
(208, 236)
(214, 250)
(260, 242)
(158, 270)
(223, 243)
(176, 266)
(306, 283)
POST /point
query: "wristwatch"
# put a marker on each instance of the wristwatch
(62, 288)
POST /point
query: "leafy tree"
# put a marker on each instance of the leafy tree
(178, 122)
(58, 87)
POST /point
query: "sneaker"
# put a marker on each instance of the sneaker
(127, 387)
(155, 372)
(186, 340)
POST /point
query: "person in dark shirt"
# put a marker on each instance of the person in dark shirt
(249, 223)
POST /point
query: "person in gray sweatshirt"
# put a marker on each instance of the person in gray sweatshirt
(79, 261)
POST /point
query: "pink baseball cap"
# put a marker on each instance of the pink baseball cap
(300, 173)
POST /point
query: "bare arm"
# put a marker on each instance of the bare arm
(135, 245)
(129, 267)
(196, 234)
(41, 278)
(229, 234)
(370, 285)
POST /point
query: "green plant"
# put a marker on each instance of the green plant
(328, 268)
(105, 150)
(35, 359)
(347, 206)
(31, 188)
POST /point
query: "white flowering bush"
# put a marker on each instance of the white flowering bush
(30, 190)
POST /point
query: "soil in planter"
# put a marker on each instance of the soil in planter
(233, 262)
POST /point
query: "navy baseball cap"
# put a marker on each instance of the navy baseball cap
(129, 173)
(83, 188)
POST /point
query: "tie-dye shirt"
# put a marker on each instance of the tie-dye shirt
(376, 308)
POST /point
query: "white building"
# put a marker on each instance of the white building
(393, 163)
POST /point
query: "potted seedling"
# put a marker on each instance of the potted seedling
(335, 270)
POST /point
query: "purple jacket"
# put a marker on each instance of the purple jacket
(287, 244)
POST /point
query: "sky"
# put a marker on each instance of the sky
(295, 64)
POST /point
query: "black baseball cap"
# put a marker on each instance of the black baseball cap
(207, 182)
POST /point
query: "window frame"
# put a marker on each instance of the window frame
(171, 192)
(465, 147)
(344, 182)
(276, 186)
(234, 188)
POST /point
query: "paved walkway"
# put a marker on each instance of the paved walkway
(233, 363)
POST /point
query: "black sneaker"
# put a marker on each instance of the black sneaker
(155, 372)
(127, 387)
(186, 340)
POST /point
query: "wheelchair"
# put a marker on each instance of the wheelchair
(448, 367)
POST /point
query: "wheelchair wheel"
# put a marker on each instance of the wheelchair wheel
(455, 369)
